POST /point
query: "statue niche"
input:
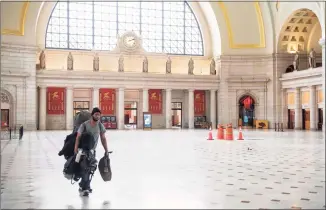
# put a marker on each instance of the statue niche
(42, 60)
(70, 62)
(191, 67)
(296, 61)
(96, 62)
(213, 67)
(121, 64)
(145, 65)
(168, 65)
(312, 58)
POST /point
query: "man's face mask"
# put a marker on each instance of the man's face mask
(96, 116)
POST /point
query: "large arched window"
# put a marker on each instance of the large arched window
(165, 27)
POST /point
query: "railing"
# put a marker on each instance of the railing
(12, 132)
(279, 127)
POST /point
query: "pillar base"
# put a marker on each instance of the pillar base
(297, 129)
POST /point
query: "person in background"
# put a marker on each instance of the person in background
(96, 128)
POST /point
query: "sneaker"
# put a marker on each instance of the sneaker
(89, 190)
(85, 193)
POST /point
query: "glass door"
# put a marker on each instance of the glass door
(4, 118)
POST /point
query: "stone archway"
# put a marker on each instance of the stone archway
(7, 109)
(301, 32)
(246, 111)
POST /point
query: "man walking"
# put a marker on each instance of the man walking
(97, 129)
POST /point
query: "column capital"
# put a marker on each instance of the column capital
(322, 42)
(69, 87)
(145, 89)
(96, 88)
(312, 86)
(168, 89)
(191, 90)
(121, 89)
(42, 86)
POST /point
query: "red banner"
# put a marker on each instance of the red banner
(107, 101)
(56, 100)
(155, 101)
(199, 102)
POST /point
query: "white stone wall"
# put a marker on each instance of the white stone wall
(260, 76)
(18, 78)
(241, 75)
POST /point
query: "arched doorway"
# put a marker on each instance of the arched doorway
(5, 110)
(246, 111)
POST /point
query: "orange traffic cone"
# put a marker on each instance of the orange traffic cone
(229, 132)
(210, 135)
(220, 132)
(240, 134)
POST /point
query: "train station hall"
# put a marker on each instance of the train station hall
(209, 105)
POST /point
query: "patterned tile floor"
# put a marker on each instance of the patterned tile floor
(172, 169)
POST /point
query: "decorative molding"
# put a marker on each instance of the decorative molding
(302, 74)
(10, 46)
(262, 42)
(248, 79)
(4, 98)
(246, 58)
(19, 75)
(21, 30)
(63, 78)
(248, 92)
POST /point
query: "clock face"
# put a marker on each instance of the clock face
(129, 41)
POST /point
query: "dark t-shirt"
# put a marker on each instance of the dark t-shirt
(95, 130)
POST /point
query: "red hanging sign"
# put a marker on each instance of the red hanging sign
(199, 102)
(55, 100)
(155, 101)
(107, 101)
(247, 102)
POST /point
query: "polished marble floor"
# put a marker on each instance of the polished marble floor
(172, 169)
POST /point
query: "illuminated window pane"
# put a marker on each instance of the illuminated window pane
(165, 27)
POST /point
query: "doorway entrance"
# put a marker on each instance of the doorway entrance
(176, 113)
(246, 111)
(4, 118)
(130, 114)
(291, 115)
(320, 119)
(305, 119)
(80, 106)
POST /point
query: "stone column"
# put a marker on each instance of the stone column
(213, 108)
(42, 109)
(168, 98)
(95, 98)
(313, 108)
(69, 108)
(298, 110)
(284, 109)
(191, 108)
(121, 108)
(145, 100)
(322, 43)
